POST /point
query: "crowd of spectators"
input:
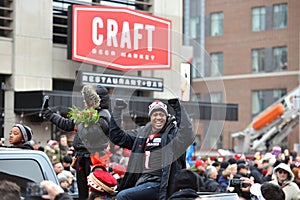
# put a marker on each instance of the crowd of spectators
(246, 176)
(239, 173)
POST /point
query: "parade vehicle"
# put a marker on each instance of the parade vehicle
(26, 166)
(271, 126)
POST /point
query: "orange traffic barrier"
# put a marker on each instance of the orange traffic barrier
(269, 116)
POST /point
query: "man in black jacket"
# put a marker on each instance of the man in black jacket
(157, 150)
(85, 145)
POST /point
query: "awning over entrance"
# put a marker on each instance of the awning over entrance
(31, 102)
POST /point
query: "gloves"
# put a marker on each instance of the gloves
(47, 113)
(174, 103)
(121, 104)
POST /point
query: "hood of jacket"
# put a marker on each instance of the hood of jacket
(287, 168)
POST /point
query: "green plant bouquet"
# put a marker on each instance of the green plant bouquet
(86, 116)
(88, 128)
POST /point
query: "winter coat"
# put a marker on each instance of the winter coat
(290, 188)
(25, 145)
(53, 154)
(67, 124)
(223, 182)
(176, 136)
(211, 185)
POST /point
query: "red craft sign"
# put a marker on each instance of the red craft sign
(120, 38)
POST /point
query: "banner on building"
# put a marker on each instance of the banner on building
(119, 38)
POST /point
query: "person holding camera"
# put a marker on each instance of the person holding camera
(157, 150)
(97, 98)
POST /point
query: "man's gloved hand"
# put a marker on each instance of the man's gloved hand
(174, 103)
(121, 104)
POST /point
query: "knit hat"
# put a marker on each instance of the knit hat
(52, 143)
(102, 181)
(199, 163)
(157, 105)
(61, 177)
(26, 132)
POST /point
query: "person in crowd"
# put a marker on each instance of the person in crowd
(63, 182)
(242, 171)
(223, 166)
(52, 150)
(256, 171)
(102, 184)
(9, 190)
(284, 177)
(187, 184)
(19, 136)
(93, 98)
(225, 179)
(72, 184)
(157, 150)
(54, 191)
(63, 146)
(211, 184)
(206, 160)
(199, 167)
(58, 167)
(296, 172)
(267, 191)
(67, 161)
(118, 155)
(217, 165)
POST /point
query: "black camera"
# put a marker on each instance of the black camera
(34, 190)
(235, 182)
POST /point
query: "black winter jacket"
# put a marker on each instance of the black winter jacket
(177, 135)
(67, 124)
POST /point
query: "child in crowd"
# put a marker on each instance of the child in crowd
(19, 136)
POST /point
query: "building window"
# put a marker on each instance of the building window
(217, 24)
(258, 19)
(279, 16)
(216, 64)
(258, 60)
(6, 18)
(216, 97)
(194, 27)
(280, 58)
(261, 99)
